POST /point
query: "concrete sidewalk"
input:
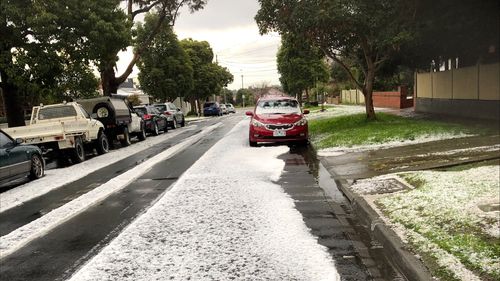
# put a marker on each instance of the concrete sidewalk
(348, 168)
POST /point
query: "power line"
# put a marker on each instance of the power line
(257, 70)
(239, 54)
(271, 60)
(246, 66)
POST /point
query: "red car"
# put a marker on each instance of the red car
(278, 119)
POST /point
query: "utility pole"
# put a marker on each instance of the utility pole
(243, 95)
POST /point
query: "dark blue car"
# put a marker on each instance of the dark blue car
(18, 161)
(212, 109)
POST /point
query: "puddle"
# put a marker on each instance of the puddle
(328, 184)
(493, 207)
(351, 234)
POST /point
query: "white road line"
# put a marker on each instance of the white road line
(57, 178)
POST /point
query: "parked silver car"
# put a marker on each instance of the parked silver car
(174, 114)
(223, 108)
(230, 108)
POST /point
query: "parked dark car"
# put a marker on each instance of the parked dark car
(17, 160)
(212, 109)
(153, 119)
(120, 121)
(176, 116)
(278, 119)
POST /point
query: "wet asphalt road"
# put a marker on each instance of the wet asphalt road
(57, 255)
(34, 209)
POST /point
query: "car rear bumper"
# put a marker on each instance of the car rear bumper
(211, 113)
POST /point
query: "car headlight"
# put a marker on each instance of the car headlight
(256, 123)
(301, 122)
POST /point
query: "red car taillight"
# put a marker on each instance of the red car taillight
(166, 113)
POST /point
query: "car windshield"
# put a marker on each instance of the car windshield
(209, 104)
(5, 141)
(161, 107)
(278, 106)
(153, 110)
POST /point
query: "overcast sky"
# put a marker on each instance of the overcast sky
(230, 28)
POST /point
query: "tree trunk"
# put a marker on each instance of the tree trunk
(198, 107)
(307, 95)
(193, 104)
(13, 106)
(13, 103)
(368, 92)
(108, 80)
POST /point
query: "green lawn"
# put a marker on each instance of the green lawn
(353, 130)
(316, 108)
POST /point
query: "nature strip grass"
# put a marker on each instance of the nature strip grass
(356, 130)
(442, 222)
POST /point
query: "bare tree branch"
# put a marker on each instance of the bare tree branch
(331, 54)
(142, 47)
(130, 4)
(145, 9)
(174, 18)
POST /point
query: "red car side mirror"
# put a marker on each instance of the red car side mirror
(249, 113)
(306, 111)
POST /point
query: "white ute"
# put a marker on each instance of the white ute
(65, 129)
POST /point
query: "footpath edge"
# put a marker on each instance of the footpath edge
(396, 251)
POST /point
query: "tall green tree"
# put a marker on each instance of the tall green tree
(248, 97)
(167, 11)
(47, 47)
(209, 78)
(165, 69)
(468, 30)
(300, 64)
(361, 33)
(227, 95)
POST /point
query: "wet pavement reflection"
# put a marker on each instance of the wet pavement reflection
(328, 214)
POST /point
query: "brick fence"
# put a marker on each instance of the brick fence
(394, 99)
(390, 99)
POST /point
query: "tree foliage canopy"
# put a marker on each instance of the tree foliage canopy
(166, 71)
(209, 78)
(300, 64)
(468, 30)
(364, 33)
(166, 11)
(47, 48)
(249, 97)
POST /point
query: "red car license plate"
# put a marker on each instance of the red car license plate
(279, 133)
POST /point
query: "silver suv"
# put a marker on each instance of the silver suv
(175, 117)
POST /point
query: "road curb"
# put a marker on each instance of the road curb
(412, 268)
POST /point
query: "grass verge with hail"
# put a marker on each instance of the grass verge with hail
(451, 220)
(354, 129)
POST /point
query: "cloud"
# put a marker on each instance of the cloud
(219, 14)
(230, 28)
